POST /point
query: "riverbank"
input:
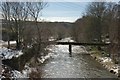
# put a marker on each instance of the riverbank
(7, 72)
(81, 64)
(107, 62)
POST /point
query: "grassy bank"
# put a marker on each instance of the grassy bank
(105, 60)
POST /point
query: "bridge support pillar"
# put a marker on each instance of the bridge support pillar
(70, 50)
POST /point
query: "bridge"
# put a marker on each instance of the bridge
(76, 43)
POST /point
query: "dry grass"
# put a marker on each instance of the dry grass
(35, 74)
(95, 54)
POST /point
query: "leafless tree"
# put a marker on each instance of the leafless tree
(19, 14)
(5, 7)
(96, 11)
(35, 9)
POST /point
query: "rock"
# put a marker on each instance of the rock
(111, 71)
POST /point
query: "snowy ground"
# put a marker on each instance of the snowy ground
(8, 53)
(6, 43)
(69, 39)
(108, 63)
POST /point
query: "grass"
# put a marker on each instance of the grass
(104, 60)
(95, 53)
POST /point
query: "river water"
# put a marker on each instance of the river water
(80, 65)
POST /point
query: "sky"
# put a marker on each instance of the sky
(66, 10)
(63, 11)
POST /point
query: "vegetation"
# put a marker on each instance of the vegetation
(100, 24)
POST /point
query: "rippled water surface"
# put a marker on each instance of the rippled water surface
(80, 65)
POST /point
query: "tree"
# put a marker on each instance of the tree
(104, 18)
(115, 44)
(96, 11)
(118, 22)
(34, 10)
(118, 35)
(5, 7)
(80, 27)
(15, 15)
(111, 25)
(19, 14)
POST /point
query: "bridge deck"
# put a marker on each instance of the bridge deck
(85, 44)
(77, 43)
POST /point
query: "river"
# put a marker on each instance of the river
(80, 65)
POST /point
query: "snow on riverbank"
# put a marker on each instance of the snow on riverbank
(6, 43)
(43, 58)
(69, 39)
(6, 53)
(24, 73)
(108, 63)
(7, 72)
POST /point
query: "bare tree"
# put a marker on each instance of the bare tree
(19, 14)
(111, 21)
(119, 25)
(35, 9)
(119, 36)
(5, 7)
(105, 20)
(96, 11)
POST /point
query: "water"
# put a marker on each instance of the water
(80, 65)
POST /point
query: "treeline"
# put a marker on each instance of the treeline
(16, 15)
(101, 23)
(56, 30)
(20, 23)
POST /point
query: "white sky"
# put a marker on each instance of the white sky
(60, 19)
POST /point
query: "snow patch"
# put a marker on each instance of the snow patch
(107, 59)
(79, 49)
(69, 39)
(52, 39)
(45, 57)
(23, 74)
(109, 64)
(8, 53)
(6, 43)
